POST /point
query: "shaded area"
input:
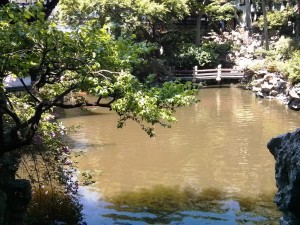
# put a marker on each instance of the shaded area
(50, 207)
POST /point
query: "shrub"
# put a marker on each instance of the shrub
(276, 19)
(285, 47)
(292, 68)
(209, 55)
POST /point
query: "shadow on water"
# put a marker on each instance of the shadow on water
(170, 205)
(54, 207)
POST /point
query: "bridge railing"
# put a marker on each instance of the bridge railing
(208, 74)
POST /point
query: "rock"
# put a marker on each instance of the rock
(286, 151)
(269, 76)
(294, 94)
(280, 86)
(266, 88)
(259, 94)
(273, 93)
(294, 104)
(256, 89)
(258, 82)
(248, 73)
(261, 72)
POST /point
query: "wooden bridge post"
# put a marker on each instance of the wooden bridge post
(172, 72)
(219, 74)
(195, 73)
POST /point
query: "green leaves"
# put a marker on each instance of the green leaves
(151, 105)
(276, 19)
(292, 68)
(218, 11)
(125, 17)
(88, 59)
(209, 55)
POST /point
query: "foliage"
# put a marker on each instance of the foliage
(61, 64)
(84, 59)
(125, 16)
(218, 10)
(279, 54)
(285, 47)
(47, 165)
(276, 19)
(209, 55)
(292, 68)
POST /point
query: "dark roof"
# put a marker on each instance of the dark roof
(24, 1)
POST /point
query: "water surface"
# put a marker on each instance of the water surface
(211, 167)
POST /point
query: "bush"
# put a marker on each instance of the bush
(276, 19)
(209, 55)
(292, 68)
(285, 47)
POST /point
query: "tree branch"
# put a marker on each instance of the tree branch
(28, 91)
(12, 114)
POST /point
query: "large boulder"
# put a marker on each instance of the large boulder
(286, 151)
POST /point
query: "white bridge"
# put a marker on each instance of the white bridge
(208, 74)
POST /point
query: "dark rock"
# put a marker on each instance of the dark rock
(259, 94)
(274, 93)
(286, 151)
(294, 104)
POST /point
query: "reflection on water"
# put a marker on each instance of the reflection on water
(218, 144)
(170, 205)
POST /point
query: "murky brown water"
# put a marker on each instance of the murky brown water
(217, 146)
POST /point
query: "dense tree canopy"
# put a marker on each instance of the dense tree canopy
(145, 18)
(60, 63)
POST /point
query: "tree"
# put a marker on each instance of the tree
(218, 10)
(199, 8)
(60, 64)
(147, 19)
(83, 60)
(265, 30)
(49, 5)
(298, 20)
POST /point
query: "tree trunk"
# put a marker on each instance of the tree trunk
(198, 29)
(263, 4)
(248, 15)
(2, 102)
(298, 21)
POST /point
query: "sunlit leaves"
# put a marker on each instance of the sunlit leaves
(220, 11)
(124, 16)
(153, 105)
(88, 58)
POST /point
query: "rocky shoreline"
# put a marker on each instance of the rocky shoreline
(266, 81)
(271, 85)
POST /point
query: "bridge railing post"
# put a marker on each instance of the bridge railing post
(219, 73)
(195, 73)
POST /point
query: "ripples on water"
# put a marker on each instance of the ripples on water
(212, 167)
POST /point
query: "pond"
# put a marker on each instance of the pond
(211, 167)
